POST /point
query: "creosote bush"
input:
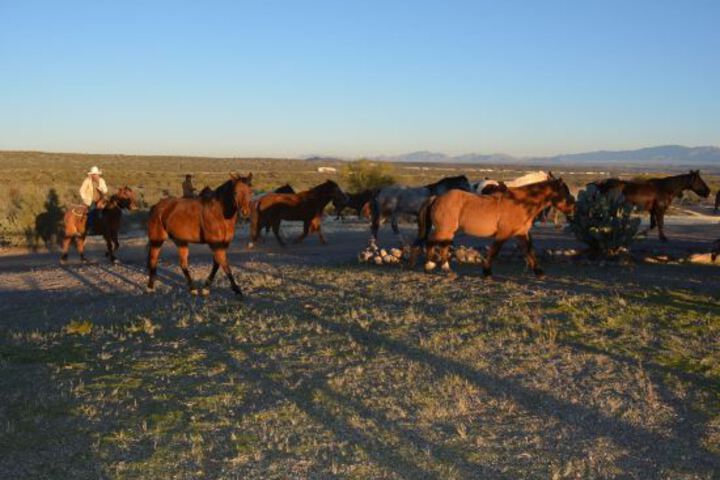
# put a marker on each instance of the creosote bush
(604, 222)
(364, 174)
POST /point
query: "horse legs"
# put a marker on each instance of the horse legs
(438, 248)
(316, 226)
(254, 227)
(80, 245)
(110, 250)
(276, 231)
(153, 257)
(491, 254)
(660, 219)
(526, 244)
(214, 270)
(375, 222)
(306, 230)
(220, 258)
(183, 252)
(65, 247)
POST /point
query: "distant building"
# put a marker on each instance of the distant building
(327, 170)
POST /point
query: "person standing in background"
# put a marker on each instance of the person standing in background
(187, 187)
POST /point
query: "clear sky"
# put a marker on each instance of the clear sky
(358, 78)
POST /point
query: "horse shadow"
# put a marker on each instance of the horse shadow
(48, 224)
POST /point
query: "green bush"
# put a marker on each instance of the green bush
(604, 222)
(364, 174)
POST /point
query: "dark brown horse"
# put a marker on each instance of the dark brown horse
(307, 207)
(656, 194)
(360, 202)
(209, 219)
(107, 223)
(501, 215)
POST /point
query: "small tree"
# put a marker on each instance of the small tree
(604, 222)
(364, 174)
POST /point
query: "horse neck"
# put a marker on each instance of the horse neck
(539, 198)
(316, 198)
(675, 184)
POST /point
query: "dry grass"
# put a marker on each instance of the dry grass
(358, 372)
(27, 177)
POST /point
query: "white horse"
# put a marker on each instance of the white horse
(528, 178)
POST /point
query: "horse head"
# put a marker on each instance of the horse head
(561, 198)
(697, 184)
(242, 193)
(333, 191)
(125, 198)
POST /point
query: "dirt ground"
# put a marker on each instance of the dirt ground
(36, 291)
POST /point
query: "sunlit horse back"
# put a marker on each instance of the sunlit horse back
(209, 219)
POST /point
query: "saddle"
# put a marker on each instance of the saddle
(79, 210)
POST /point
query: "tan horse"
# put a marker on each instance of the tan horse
(209, 219)
(501, 215)
(107, 223)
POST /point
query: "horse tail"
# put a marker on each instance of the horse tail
(424, 222)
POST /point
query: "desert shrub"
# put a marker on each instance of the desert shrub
(604, 222)
(364, 174)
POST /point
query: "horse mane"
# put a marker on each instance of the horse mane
(225, 194)
(287, 188)
(432, 186)
(325, 186)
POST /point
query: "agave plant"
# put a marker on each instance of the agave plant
(604, 222)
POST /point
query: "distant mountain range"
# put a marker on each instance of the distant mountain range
(666, 155)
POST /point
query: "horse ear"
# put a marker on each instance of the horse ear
(249, 178)
(233, 175)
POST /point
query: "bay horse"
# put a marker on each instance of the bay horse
(356, 201)
(306, 206)
(656, 194)
(209, 219)
(107, 223)
(395, 200)
(501, 215)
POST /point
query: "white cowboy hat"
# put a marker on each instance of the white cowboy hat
(95, 171)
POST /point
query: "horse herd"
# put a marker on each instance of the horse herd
(443, 208)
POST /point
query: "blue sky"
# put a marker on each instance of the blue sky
(352, 78)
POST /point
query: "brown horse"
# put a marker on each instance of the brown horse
(107, 223)
(209, 219)
(501, 215)
(306, 206)
(717, 202)
(360, 202)
(656, 194)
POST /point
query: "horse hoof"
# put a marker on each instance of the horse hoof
(445, 267)
(194, 291)
(430, 266)
(149, 289)
(539, 273)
